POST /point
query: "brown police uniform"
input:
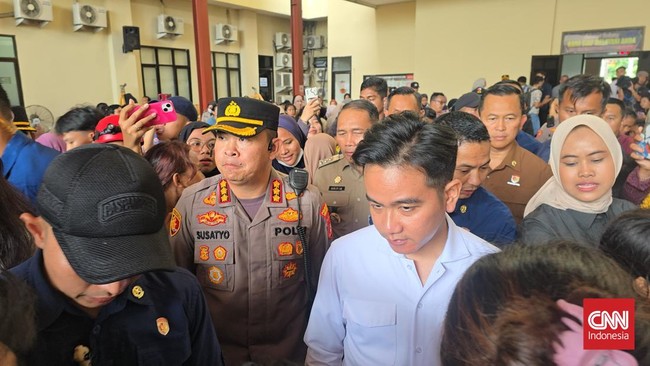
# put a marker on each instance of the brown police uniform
(519, 176)
(345, 194)
(252, 269)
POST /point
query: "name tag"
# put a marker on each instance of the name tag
(336, 188)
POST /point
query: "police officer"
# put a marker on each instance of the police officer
(238, 233)
(108, 292)
(338, 180)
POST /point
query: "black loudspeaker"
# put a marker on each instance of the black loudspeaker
(131, 38)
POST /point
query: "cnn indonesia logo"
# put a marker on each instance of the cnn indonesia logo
(608, 324)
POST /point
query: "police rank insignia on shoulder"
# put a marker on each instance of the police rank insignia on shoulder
(174, 222)
(276, 191)
(224, 191)
(330, 160)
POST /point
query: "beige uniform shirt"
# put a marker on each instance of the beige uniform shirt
(252, 271)
(345, 194)
(519, 176)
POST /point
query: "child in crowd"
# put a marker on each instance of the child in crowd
(626, 241)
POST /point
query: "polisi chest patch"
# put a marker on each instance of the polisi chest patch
(126, 203)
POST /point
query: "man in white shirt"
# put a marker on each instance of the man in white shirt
(384, 290)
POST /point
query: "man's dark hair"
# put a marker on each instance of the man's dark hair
(512, 83)
(583, 85)
(436, 94)
(621, 67)
(405, 90)
(501, 90)
(363, 105)
(619, 103)
(468, 127)
(403, 140)
(5, 111)
(377, 84)
(522, 79)
(629, 112)
(78, 119)
(536, 79)
(4, 97)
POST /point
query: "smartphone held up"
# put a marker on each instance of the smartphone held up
(164, 111)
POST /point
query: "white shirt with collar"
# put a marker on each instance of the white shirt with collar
(371, 307)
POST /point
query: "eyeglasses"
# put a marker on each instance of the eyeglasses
(197, 145)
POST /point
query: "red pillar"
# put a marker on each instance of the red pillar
(203, 53)
(296, 47)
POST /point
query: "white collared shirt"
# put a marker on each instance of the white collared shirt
(371, 307)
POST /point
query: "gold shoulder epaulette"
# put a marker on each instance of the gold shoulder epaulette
(330, 160)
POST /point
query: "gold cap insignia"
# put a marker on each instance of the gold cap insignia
(463, 209)
(232, 110)
(137, 291)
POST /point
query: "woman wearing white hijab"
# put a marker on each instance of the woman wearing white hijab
(577, 203)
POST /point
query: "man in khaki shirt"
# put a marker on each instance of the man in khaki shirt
(238, 233)
(516, 174)
(340, 183)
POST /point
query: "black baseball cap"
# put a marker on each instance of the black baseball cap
(415, 85)
(245, 117)
(106, 207)
(470, 100)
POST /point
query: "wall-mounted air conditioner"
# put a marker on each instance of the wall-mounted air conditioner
(33, 12)
(312, 42)
(282, 41)
(169, 26)
(86, 16)
(225, 33)
(283, 60)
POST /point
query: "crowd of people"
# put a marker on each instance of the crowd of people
(399, 228)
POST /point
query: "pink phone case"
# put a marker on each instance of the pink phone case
(164, 110)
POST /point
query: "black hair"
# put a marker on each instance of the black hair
(4, 97)
(78, 119)
(502, 89)
(403, 140)
(111, 108)
(583, 85)
(363, 105)
(618, 102)
(536, 79)
(522, 79)
(20, 114)
(17, 315)
(489, 319)
(404, 90)
(626, 241)
(347, 95)
(5, 111)
(512, 83)
(467, 127)
(424, 95)
(621, 67)
(103, 108)
(377, 84)
(436, 94)
(629, 112)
